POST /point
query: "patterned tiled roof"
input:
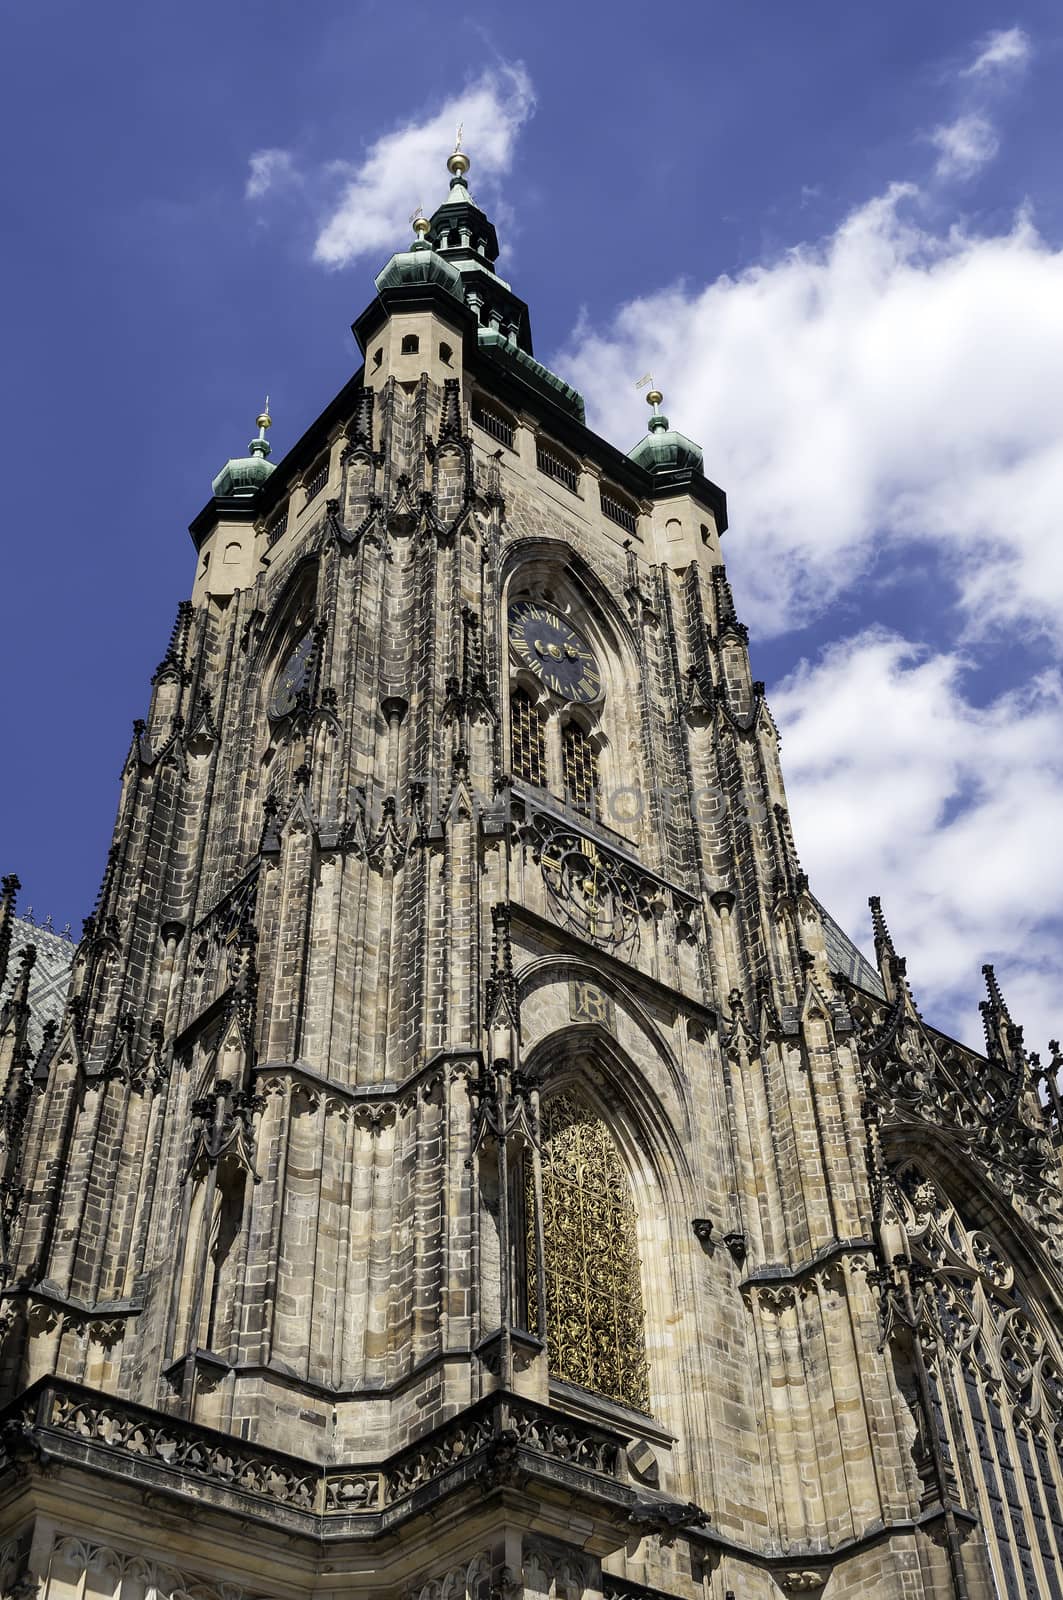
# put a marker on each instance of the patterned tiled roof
(50, 978)
(844, 957)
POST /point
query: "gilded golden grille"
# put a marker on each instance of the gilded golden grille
(595, 1321)
(580, 769)
(527, 739)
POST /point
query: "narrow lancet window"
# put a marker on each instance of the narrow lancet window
(580, 769)
(527, 740)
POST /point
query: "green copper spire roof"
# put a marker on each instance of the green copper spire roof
(463, 231)
(455, 251)
(420, 264)
(669, 456)
(243, 476)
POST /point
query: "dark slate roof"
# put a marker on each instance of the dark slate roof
(844, 957)
(50, 978)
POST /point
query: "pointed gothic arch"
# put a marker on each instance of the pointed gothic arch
(614, 1181)
(565, 565)
(590, 747)
(994, 1362)
(665, 1130)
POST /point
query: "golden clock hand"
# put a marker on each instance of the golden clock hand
(595, 860)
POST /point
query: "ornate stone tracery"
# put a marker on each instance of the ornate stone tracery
(133, 1575)
(996, 1378)
(595, 1320)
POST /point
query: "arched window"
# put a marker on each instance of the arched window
(527, 739)
(595, 1322)
(580, 769)
(996, 1380)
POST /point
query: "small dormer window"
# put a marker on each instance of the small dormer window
(554, 465)
(317, 479)
(492, 421)
(277, 525)
(410, 344)
(619, 509)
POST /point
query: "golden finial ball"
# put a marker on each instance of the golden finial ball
(421, 226)
(263, 420)
(458, 163)
(654, 397)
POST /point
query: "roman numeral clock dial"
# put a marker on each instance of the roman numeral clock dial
(547, 644)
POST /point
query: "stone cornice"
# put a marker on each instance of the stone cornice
(501, 1439)
(370, 1095)
(776, 1277)
(502, 1442)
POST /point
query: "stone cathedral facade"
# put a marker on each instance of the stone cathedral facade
(470, 1163)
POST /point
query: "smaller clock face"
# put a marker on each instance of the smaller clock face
(589, 888)
(548, 645)
(292, 678)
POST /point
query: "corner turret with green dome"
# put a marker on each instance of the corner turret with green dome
(421, 264)
(667, 455)
(243, 476)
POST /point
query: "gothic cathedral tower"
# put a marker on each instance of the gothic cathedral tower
(471, 1163)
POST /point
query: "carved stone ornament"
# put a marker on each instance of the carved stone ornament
(352, 1491)
(994, 1366)
(470, 1581)
(148, 1436)
(736, 1244)
(589, 887)
(486, 1436)
(986, 1107)
(120, 1570)
(961, 1297)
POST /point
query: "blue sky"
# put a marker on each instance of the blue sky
(834, 231)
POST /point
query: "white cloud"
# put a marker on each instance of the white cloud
(1007, 49)
(962, 839)
(887, 387)
(269, 169)
(406, 167)
(964, 146)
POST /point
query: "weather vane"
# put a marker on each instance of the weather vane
(457, 136)
(654, 397)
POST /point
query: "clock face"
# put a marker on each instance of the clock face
(589, 888)
(292, 678)
(548, 645)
